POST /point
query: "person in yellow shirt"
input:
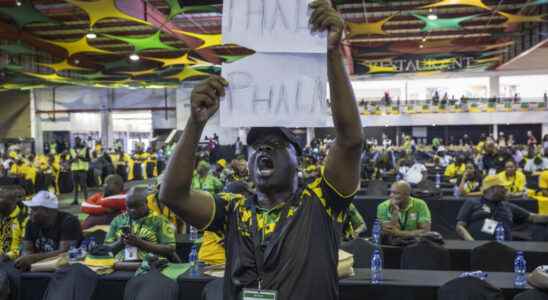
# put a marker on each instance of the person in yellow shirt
(13, 219)
(455, 169)
(541, 195)
(79, 166)
(470, 184)
(514, 180)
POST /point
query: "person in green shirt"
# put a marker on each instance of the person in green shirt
(203, 181)
(354, 224)
(403, 215)
(137, 232)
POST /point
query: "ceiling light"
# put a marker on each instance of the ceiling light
(134, 57)
(421, 46)
(424, 39)
(18, 3)
(76, 61)
(432, 17)
(91, 35)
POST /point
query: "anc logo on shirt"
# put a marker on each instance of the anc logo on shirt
(168, 229)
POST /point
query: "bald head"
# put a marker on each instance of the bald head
(136, 200)
(400, 192)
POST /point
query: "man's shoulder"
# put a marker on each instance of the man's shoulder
(384, 205)
(418, 202)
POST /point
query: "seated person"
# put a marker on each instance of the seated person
(137, 232)
(541, 195)
(455, 169)
(470, 183)
(13, 220)
(403, 215)
(513, 179)
(477, 219)
(113, 187)
(204, 181)
(412, 172)
(354, 224)
(49, 231)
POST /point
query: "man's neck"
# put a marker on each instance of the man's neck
(404, 204)
(271, 199)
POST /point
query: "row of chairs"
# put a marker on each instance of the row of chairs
(426, 255)
(475, 288)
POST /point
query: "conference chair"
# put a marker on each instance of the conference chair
(469, 288)
(493, 257)
(425, 255)
(376, 187)
(532, 295)
(213, 290)
(362, 250)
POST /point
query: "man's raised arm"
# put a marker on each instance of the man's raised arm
(194, 207)
(342, 165)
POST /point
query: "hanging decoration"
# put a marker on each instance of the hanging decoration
(187, 73)
(24, 14)
(514, 19)
(355, 29)
(181, 60)
(372, 69)
(103, 9)
(146, 43)
(442, 3)
(78, 46)
(536, 2)
(62, 66)
(442, 24)
(210, 40)
(140, 73)
(232, 58)
(98, 75)
(53, 77)
(17, 49)
(175, 9)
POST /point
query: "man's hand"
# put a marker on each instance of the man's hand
(132, 240)
(205, 98)
(325, 17)
(23, 263)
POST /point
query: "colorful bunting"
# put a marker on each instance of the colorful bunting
(355, 29)
(62, 66)
(146, 43)
(140, 73)
(442, 24)
(475, 3)
(103, 9)
(78, 46)
(181, 60)
(187, 73)
(514, 19)
(209, 40)
(175, 9)
(53, 77)
(24, 14)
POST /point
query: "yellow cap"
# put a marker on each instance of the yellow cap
(491, 181)
(543, 180)
(222, 163)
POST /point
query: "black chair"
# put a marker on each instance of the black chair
(362, 251)
(213, 290)
(493, 257)
(469, 288)
(425, 255)
(376, 188)
(532, 295)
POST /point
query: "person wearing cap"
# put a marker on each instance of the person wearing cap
(477, 219)
(13, 220)
(285, 238)
(403, 215)
(49, 231)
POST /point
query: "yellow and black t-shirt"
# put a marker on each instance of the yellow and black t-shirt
(12, 230)
(300, 253)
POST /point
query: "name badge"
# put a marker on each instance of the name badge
(413, 216)
(489, 226)
(131, 253)
(486, 209)
(250, 294)
(492, 172)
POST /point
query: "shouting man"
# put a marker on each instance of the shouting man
(284, 239)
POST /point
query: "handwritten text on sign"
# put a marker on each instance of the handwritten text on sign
(275, 90)
(271, 26)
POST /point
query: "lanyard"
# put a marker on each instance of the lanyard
(402, 225)
(258, 241)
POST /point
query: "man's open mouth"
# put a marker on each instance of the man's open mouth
(265, 166)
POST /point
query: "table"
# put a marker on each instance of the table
(536, 253)
(403, 284)
(444, 211)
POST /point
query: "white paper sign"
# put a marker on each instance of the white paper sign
(271, 26)
(275, 89)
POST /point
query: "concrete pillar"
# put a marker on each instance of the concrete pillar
(310, 135)
(494, 86)
(107, 131)
(495, 131)
(35, 126)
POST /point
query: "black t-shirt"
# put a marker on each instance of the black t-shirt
(66, 228)
(474, 212)
(300, 254)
